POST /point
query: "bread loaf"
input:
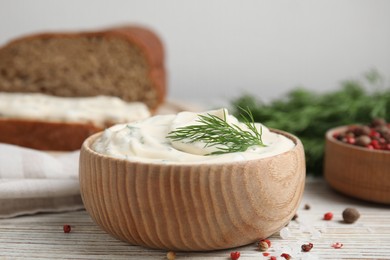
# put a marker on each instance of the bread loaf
(127, 62)
(123, 62)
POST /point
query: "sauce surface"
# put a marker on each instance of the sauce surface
(146, 141)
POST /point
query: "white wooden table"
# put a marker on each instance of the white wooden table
(41, 236)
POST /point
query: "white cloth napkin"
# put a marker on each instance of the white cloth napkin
(33, 181)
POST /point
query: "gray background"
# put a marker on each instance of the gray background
(217, 50)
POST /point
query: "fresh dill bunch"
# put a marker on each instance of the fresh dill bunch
(215, 131)
(309, 114)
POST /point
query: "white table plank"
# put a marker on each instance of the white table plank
(41, 236)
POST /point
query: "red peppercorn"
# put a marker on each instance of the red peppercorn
(265, 254)
(286, 256)
(67, 228)
(375, 144)
(373, 136)
(234, 255)
(337, 245)
(272, 258)
(374, 133)
(264, 244)
(351, 140)
(307, 247)
(267, 241)
(328, 216)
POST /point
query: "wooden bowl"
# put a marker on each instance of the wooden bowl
(357, 171)
(194, 207)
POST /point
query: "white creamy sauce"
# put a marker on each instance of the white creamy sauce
(99, 110)
(147, 141)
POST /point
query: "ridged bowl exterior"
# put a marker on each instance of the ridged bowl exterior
(192, 207)
(357, 171)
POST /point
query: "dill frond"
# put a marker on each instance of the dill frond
(215, 131)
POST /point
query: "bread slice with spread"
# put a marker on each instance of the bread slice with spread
(124, 62)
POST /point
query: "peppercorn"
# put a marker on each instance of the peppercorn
(375, 136)
(328, 216)
(337, 245)
(286, 256)
(382, 129)
(307, 247)
(362, 130)
(295, 216)
(386, 136)
(67, 228)
(378, 122)
(264, 244)
(171, 255)
(234, 255)
(350, 215)
(307, 206)
(363, 140)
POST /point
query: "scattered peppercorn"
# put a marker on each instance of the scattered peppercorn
(67, 228)
(307, 206)
(375, 136)
(350, 215)
(328, 216)
(307, 247)
(234, 255)
(171, 255)
(286, 256)
(337, 245)
(272, 258)
(265, 254)
(295, 216)
(264, 244)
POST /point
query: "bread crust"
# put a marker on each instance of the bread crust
(43, 135)
(153, 47)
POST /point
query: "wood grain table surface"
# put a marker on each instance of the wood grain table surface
(41, 236)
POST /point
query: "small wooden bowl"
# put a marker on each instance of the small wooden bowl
(357, 171)
(195, 207)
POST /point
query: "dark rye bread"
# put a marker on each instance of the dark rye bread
(127, 62)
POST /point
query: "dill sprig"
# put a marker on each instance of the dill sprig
(215, 131)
